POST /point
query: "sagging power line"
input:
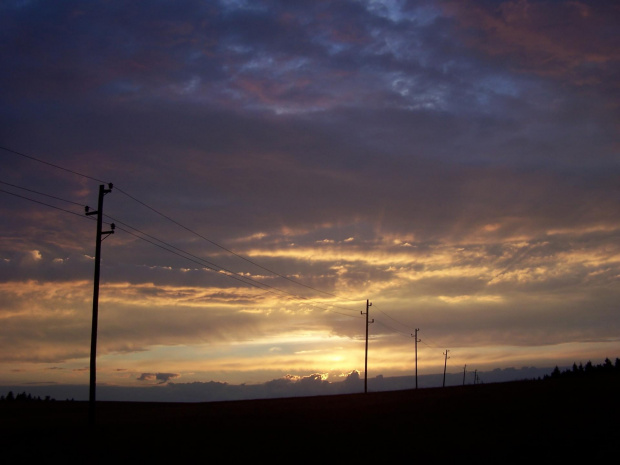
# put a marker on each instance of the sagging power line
(118, 189)
(190, 230)
(181, 253)
(207, 264)
(230, 251)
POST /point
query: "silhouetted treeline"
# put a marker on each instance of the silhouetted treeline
(23, 397)
(589, 371)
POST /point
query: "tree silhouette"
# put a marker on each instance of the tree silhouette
(606, 370)
(23, 397)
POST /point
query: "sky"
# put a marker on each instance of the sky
(276, 165)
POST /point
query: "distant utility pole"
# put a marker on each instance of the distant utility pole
(445, 364)
(464, 369)
(416, 355)
(475, 376)
(93, 338)
(368, 304)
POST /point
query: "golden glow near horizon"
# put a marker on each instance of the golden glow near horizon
(146, 325)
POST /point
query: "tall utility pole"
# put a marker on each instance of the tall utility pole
(445, 364)
(368, 304)
(416, 355)
(464, 369)
(93, 338)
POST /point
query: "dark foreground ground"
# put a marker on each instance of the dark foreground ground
(533, 421)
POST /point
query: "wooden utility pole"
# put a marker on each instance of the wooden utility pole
(464, 369)
(445, 364)
(93, 338)
(368, 304)
(416, 355)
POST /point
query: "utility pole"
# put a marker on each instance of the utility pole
(464, 369)
(416, 355)
(368, 304)
(475, 376)
(445, 364)
(93, 338)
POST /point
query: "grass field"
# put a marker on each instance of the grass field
(536, 421)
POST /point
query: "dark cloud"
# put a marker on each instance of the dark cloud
(539, 37)
(160, 377)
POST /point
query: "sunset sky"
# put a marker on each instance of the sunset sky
(276, 164)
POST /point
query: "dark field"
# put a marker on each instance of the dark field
(537, 421)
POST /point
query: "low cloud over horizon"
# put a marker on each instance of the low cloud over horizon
(276, 165)
(315, 384)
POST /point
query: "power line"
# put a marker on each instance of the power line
(397, 321)
(210, 264)
(42, 203)
(41, 193)
(177, 223)
(432, 345)
(231, 274)
(200, 261)
(203, 262)
(390, 327)
(52, 164)
(230, 251)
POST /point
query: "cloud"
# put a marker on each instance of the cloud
(160, 377)
(353, 377)
(537, 36)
